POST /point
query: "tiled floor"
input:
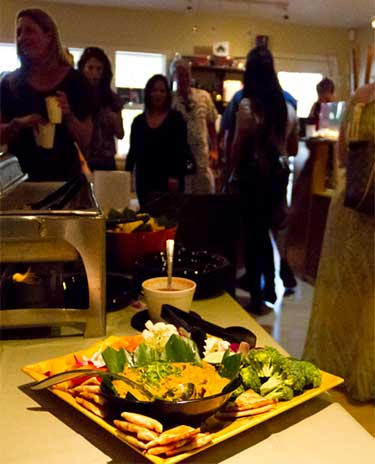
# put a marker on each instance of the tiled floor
(287, 322)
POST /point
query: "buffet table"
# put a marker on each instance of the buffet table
(37, 427)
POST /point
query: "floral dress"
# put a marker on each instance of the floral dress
(197, 111)
(341, 334)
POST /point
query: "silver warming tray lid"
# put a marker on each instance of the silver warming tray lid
(36, 218)
(11, 173)
(75, 197)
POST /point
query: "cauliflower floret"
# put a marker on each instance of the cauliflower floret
(157, 335)
(96, 359)
(214, 349)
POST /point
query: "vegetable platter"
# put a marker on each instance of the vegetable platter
(273, 379)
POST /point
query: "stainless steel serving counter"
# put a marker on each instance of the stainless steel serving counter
(39, 428)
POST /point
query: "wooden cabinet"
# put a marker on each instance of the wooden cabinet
(314, 179)
(212, 78)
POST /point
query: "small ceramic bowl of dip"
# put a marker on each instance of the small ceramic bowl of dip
(157, 293)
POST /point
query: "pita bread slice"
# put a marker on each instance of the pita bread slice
(200, 440)
(164, 449)
(141, 432)
(131, 439)
(146, 435)
(94, 408)
(143, 421)
(126, 426)
(91, 381)
(181, 432)
(97, 399)
(248, 412)
(248, 400)
(88, 388)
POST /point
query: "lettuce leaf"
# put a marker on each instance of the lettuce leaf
(181, 349)
(230, 365)
(144, 354)
(177, 349)
(114, 360)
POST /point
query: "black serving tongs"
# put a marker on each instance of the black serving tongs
(234, 334)
(198, 335)
(60, 197)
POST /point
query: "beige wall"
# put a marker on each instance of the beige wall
(120, 28)
(365, 36)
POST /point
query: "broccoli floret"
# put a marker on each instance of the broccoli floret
(237, 392)
(266, 361)
(271, 384)
(250, 378)
(291, 374)
(281, 393)
(266, 371)
(313, 376)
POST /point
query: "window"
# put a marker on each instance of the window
(76, 52)
(303, 88)
(299, 74)
(9, 59)
(133, 70)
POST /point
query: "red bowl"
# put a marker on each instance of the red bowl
(123, 248)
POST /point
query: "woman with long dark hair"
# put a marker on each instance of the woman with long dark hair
(96, 67)
(259, 141)
(158, 143)
(44, 72)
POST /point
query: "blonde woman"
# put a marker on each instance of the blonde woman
(44, 71)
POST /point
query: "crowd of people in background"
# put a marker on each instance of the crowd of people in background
(173, 143)
(173, 148)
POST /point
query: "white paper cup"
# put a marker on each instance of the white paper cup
(53, 110)
(156, 294)
(45, 135)
(310, 130)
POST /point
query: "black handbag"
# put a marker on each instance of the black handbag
(360, 177)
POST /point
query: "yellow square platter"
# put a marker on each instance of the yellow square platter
(38, 371)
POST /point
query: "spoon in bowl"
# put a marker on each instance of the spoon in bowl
(68, 375)
(170, 251)
(181, 393)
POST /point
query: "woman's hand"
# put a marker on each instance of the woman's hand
(31, 120)
(63, 102)
(9, 130)
(114, 121)
(80, 130)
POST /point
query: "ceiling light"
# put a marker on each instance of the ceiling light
(373, 22)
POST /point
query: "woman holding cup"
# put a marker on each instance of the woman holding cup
(45, 104)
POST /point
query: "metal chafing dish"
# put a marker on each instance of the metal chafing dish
(62, 227)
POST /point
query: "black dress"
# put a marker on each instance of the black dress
(157, 154)
(18, 98)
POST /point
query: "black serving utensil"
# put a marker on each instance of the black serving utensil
(197, 334)
(60, 197)
(233, 334)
